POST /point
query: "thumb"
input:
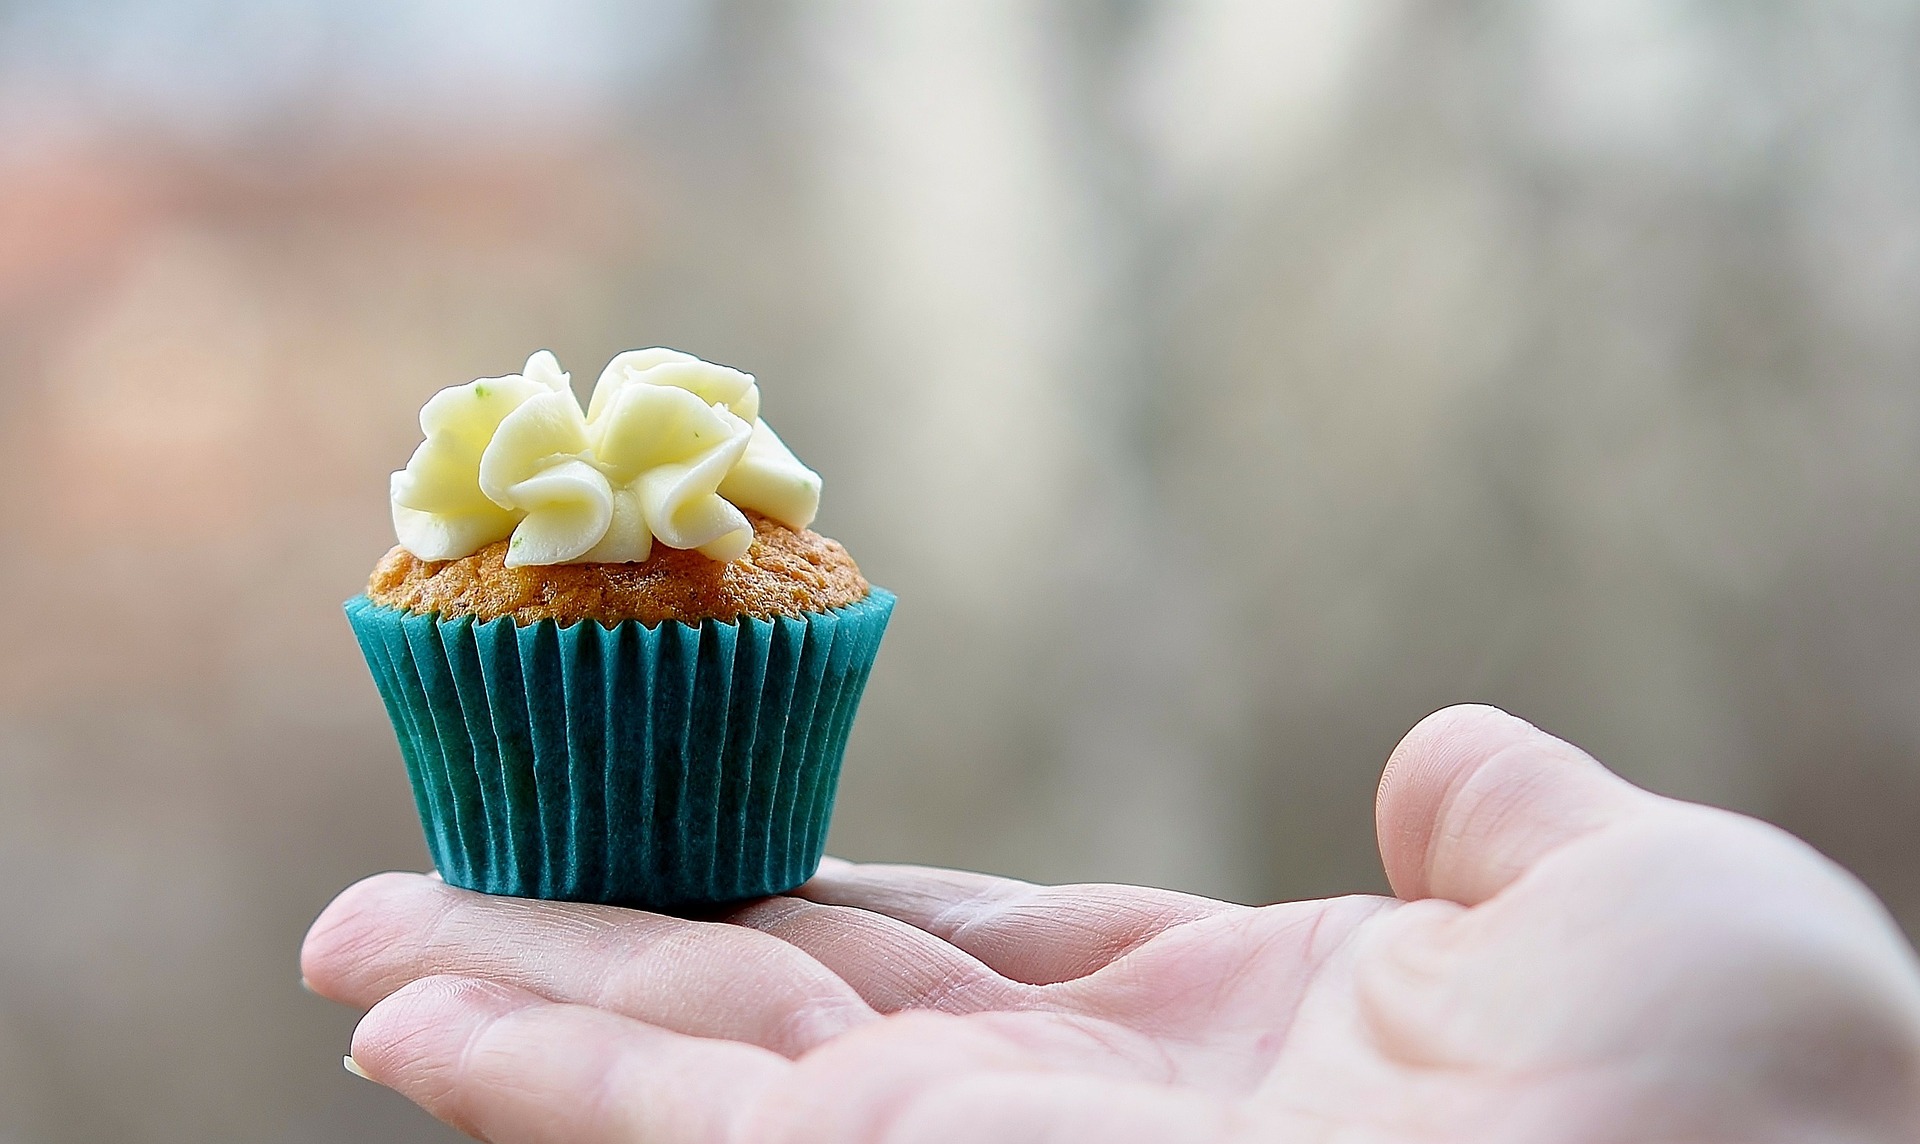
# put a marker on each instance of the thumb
(1473, 796)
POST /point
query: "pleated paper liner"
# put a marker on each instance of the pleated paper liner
(670, 767)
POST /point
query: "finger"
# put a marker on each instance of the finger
(511, 1067)
(1038, 935)
(706, 979)
(893, 965)
(1473, 797)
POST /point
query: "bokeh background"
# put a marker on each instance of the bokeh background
(1222, 386)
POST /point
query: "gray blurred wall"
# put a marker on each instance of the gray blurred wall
(1222, 387)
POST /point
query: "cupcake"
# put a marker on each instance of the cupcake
(620, 667)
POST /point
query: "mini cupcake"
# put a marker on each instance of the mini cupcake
(619, 666)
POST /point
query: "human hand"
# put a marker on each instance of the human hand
(1567, 959)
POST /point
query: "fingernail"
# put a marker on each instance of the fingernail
(353, 1067)
(308, 986)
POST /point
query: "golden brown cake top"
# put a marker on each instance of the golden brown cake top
(784, 573)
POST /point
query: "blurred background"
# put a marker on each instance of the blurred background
(1222, 386)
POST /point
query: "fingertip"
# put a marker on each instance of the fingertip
(1445, 738)
(1423, 769)
(355, 926)
(416, 1041)
(1472, 794)
(416, 1021)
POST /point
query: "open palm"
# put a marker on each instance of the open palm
(1567, 958)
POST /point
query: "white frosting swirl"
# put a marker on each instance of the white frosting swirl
(669, 448)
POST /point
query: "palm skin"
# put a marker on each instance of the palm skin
(1566, 959)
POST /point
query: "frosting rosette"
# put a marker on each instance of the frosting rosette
(670, 448)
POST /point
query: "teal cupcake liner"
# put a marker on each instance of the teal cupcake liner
(670, 767)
